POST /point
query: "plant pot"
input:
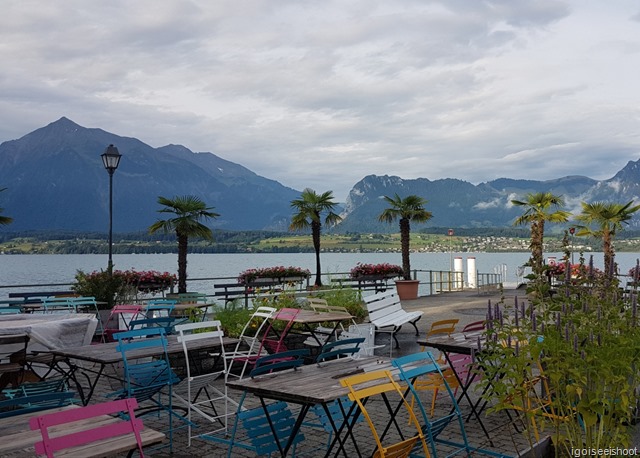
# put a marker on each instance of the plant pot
(541, 449)
(407, 289)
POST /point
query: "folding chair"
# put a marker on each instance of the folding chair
(441, 328)
(88, 304)
(249, 339)
(85, 430)
(423, 364)
(148, 379)
(362, 387)
(36, 396)
(474, 326)
(273, 340)
(270, 421)
(13, 359)
(54, 304)
(196, 391)
(322, 333)
(120, 318)
(164, 322)
(160, 307)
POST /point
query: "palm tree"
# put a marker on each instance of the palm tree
(4, 220)
(411, 208)
(539, 208)
(189, 211)
(310, 207)
(607, 217)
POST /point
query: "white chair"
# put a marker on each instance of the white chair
(248, 345)
(196, 391)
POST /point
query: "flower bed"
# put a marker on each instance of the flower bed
(277, 273)
(371, 271)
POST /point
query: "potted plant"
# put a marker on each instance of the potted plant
(411, 208)
(381, 271)
(280, 274)
(582, 346)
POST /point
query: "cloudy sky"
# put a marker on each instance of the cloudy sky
(322, 93)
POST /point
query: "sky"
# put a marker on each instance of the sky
(320, 94)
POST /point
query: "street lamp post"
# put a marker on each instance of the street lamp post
(110, 160)
(450, 234)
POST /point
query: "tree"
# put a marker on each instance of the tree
(539, 208)
(310, 207)
(411, 208)
(607, 219)
(189, 211)
(4, 220)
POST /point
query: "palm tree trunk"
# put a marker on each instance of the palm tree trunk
(536, 246)
(405, 231)
(183, 242)
(607, 247)
(315, 234)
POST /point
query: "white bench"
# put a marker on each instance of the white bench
(387, 315)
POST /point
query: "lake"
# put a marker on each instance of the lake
(39, 269)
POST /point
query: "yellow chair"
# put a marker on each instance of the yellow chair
(380, 383)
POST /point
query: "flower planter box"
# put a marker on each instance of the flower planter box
(542, 449)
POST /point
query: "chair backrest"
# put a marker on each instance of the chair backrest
(159, 307)
(475, 326)
(10, 309)
(94, 431)
(290, 359)
(144, 379)
(125, 313)
(202, 330)
(55, 304)
(164, 322)
(350, 347)
(443, 327)
(20, 405)
(188, 298)
(380, 383)
(13, 358)
(274, 342)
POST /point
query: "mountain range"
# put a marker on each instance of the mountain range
(55, 181)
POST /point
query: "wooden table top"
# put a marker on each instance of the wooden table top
(456, 343)
(311, 317)
(310, 384)
(106, 353)
(17, 435)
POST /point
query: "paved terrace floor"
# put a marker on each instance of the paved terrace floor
(467, 306)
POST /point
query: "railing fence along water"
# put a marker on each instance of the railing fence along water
(431, 282)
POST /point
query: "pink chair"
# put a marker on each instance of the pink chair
(90, 431)
(125, 313)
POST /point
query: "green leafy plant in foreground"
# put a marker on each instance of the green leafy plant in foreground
(586, 340)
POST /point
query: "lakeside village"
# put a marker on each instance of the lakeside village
(361, 243)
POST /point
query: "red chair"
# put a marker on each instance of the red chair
(89, 431)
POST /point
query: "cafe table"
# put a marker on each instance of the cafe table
(306, 321)
(310, 385)
(94, 359)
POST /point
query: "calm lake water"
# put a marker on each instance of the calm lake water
(39, 269)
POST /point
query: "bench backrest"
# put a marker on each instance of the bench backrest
(382, 304)
(94, 431)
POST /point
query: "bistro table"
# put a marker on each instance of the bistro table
(466, 344)
(102, 355)
(307, 318)
(309, 385)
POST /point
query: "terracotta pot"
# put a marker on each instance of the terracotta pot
(407, 289)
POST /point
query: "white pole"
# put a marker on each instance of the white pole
(472, 274)
(459, 272)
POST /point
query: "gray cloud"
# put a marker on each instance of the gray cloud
(321, 94)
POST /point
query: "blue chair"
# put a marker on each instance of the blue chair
(34, 397)
(148, 379)
(423, 364)
(261, 424)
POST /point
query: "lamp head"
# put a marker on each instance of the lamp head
(111, 159)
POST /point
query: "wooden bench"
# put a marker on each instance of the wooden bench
(377, 285)
(231, 291)
(386, 312)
